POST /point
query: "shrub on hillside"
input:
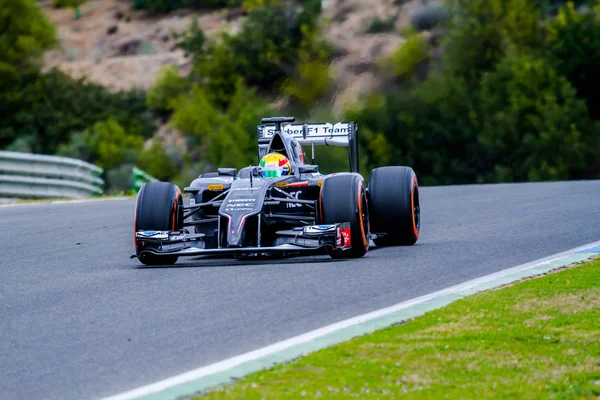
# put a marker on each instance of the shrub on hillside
(169, 85)
(509, 103)
(382, 25)
(545, 131)
(111, 145)
(51, 106)
(265, 52)
(483, 32)
(312, 79)
(68, 3)
(165, 6)
(220, 137)
(408, 55)
(428, 16)
(574, 49)
(156, 162)
(25, 33)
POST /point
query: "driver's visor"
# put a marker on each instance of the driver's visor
(272, 173)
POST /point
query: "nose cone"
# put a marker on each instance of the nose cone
(242, 202)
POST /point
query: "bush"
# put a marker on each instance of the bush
(545, 132)
(266, 49)
(574, 49)
(264, 53)
(218, 72)
(68, 3)
(223, 138)
(193, 40)
(51, 106)
(497, 112)
(119, 179)
(76, 147)
(408, 55)
(379, 25)
(169, 85)
(166, 6)
(25, 33)
(429, 16)
(111, 145)
(311, 81)
(483, 32)
(156, 162)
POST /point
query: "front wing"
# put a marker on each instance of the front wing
(305, 239)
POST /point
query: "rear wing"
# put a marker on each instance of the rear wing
(340, 134)
(327, 134)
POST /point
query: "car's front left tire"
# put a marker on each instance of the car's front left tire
(159, 207)
(395, 206)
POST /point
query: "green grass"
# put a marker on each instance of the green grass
(537, 339)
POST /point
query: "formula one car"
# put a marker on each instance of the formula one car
(282, 206)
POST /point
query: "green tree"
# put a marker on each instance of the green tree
(169, 85)
(312, 78)
(482, 32)
(533, 127)
(507, 103)
(220, 137)
(409, 54)
(574, 49)
(111, 144)
(25, 33)
(50, 106)
(218, 71)
(74, 4)
(193, 41)
(267, 48)
(156, 162)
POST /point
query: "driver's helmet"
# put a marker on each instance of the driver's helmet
(274, 165)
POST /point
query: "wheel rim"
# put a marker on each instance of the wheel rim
(365, 216)
(417, 209)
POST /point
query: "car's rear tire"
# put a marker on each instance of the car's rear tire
(343, 198)
(159, 207)
(394, 206)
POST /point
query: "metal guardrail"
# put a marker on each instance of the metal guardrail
(36, 176)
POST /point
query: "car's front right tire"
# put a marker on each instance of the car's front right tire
(343, 198)
(159, 207)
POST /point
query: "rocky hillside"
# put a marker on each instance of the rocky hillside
(123, 49)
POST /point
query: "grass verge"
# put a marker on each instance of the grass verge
(536, 339)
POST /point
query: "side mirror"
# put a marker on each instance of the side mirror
(192, 190)
(227, 172)
(308, 169)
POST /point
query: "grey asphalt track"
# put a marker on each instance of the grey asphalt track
(80, 320)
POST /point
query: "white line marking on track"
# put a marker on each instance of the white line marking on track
(41, 203)
(236, 361)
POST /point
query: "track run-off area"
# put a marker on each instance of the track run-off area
(81, 320)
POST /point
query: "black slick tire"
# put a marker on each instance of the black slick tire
(159, 207)
(343, 198)
(394, 206)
